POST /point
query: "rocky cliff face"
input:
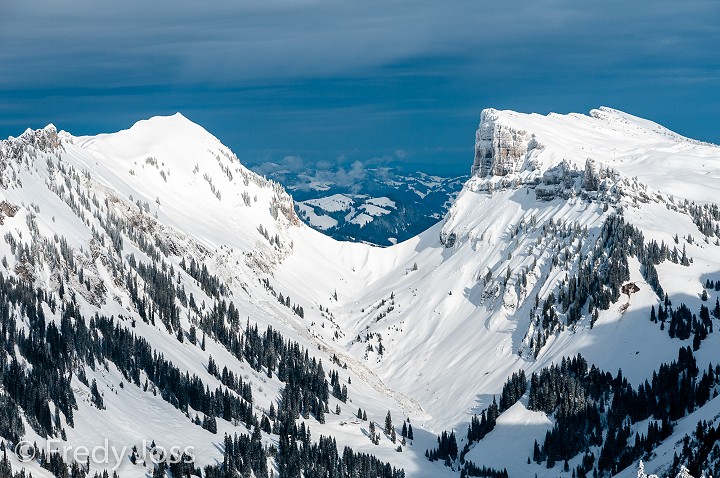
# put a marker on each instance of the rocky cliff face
(510, 151)
(500, 149)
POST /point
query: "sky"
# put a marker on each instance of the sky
(329, 83)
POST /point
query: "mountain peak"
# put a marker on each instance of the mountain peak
(175, 125)
(173, 139)
(176, 118)
(30, 133)
(519, 146)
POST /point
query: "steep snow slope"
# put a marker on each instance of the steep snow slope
(454, 312)
(191, 180)
(429, 329)
(483, 226)
(185, 197)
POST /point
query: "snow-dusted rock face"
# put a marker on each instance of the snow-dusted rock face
(500, 149)
(516, 148)
(46, 140)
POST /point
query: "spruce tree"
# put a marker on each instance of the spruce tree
(684, 259)
(96, 397)
(536, 453)
(388, 423)
(193, 335)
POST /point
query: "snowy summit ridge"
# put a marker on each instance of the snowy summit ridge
(511, 146)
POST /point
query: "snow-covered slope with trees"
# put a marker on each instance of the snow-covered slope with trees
(151, 263)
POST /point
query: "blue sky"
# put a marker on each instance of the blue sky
(331, 82)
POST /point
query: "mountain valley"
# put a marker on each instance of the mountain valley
(560, 319)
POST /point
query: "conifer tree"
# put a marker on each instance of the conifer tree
(96, 397)
(192, 337)
(684, 259)
(388, 423)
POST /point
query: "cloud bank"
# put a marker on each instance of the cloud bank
(321, 78)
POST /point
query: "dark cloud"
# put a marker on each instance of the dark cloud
(102, 43)
(318, 79)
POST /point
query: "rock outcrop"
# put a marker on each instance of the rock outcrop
(500, 149)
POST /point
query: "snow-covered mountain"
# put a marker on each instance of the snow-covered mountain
(154, 289)
(378, 206)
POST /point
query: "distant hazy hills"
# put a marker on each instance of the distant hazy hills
(379, 206)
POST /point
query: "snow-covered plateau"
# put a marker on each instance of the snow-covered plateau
(154, 290)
